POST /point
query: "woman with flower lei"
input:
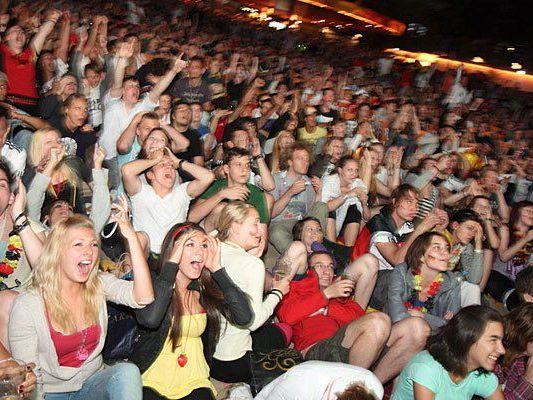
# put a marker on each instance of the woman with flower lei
(423, 286)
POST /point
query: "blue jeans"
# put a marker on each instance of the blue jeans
(120, 382)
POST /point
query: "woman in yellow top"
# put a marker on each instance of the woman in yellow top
(170, 350)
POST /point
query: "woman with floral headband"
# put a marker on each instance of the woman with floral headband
(423, 286)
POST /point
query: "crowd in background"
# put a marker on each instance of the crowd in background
(182, 195)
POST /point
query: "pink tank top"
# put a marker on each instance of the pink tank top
(72, 350)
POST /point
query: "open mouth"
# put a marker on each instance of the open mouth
(85, 266)
(197, 265)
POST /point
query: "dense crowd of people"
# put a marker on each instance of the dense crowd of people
(183, 195)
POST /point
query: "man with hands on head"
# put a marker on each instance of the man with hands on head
(132, 140)
(160, 203)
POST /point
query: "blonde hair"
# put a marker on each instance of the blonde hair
(236, 211)
(277, 150)
(47, 282)
(35, 155)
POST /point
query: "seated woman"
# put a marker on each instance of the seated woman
(515, 371)
(458, 361)
(514, 253)
(239, 232)
(192, 290)
(60, 323)
(280, 143)
(63, 176)
(423, 286)
(60, 208)
(491, 227)
(466, 257)
(308, 238)
(346, 196)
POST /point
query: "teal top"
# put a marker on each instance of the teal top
(426, 371)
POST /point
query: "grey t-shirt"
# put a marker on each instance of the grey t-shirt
(300, 204)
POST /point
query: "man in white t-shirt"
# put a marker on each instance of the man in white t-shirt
(157, 202)
(122, 103)
(321, 380)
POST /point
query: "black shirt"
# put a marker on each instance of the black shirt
(195, 149)
(83, 139)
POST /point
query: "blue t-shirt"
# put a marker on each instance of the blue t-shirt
(426, 371)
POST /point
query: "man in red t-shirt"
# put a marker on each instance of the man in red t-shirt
(328, 326)
(18, 61)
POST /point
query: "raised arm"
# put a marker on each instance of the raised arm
(124, 53)
(45, 29)
(91, 41)
(101, 200)
(178, 142)
(202, 176)
(167, 79)
(132, 170)
(32, 243)
(267, 180)
(126, 138)
(64, 35)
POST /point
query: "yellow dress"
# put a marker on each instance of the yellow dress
(170, 379)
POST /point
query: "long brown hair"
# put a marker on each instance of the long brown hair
(518, 332)
(211, 297)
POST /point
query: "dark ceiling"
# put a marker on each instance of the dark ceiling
(501, 20)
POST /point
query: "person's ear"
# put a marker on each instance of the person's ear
(528, 298)
(150, 175)
(454, 225)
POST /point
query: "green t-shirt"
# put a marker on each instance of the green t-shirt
(426, 371)
(256, 197)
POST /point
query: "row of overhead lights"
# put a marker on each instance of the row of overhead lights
(264, 15)
(514, 66)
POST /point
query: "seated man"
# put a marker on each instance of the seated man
(392, 233)
(236, 186)
(296, 196)
(308, 237)
(158, 203)
(328, 326)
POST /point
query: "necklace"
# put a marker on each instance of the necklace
(414, 302)
(182, 358)
(82, 354)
